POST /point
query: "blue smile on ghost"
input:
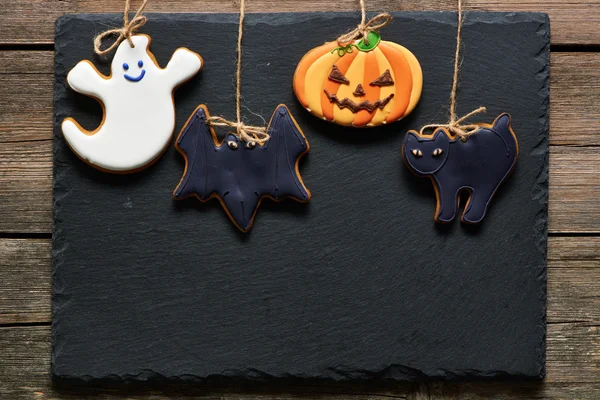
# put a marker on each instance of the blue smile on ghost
(135, 78)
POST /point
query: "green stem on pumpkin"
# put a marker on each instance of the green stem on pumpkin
(365, 44)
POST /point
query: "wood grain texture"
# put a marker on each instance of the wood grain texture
(32, 21)
(575, 96)
(25, 281)
(26, 132)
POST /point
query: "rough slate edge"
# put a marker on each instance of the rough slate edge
(539, 193)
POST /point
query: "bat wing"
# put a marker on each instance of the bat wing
(287, 144)
(196, 143)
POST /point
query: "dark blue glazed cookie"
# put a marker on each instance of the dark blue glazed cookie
(241, 174)
(479, 165)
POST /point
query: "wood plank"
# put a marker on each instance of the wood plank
(26, 102)
(575, 96)
(506, 391)
(26, 182)
(32, 21)
(26, 62)
(25, 280)
(572, 374)
(574, 189)
(573, 280)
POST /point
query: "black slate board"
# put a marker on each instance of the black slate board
(360, 283)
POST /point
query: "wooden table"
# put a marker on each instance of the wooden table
(573, 353)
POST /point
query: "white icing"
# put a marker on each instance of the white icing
(139, 117)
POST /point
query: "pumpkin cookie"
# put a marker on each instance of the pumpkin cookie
(362, 84)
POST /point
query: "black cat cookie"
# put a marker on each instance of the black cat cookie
(478, 165)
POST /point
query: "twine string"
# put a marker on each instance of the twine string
(362, 30)
(125, 32)
(455, 125)
(245, 133)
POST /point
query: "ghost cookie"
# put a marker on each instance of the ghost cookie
(137, 99)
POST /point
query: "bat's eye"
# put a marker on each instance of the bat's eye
(250, 145)
(437, 152)
(232, 145)
(417, 153)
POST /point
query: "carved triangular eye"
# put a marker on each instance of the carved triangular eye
(417, 153)
(336, 76)
(384, 80)
(437, 152)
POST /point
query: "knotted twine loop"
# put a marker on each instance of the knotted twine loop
(363, 29)
(129, 27)
(245, 133)
(454, 125)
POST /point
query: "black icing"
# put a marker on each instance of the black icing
(479, 164)
(241, 174)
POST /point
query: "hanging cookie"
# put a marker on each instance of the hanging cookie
(478, 165)
(241, 174)
(362, 82)
(474, 158)
(137, 102)
(250, 164)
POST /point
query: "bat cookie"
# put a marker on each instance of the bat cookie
(137, 101)
(240, 174)
(479, 165)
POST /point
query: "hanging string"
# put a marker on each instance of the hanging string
(363, 29)
(246, 133)
(129, 27)
(455, 125)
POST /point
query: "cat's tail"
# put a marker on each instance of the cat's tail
(502, 126)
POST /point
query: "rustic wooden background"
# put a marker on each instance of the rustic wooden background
(573, 354)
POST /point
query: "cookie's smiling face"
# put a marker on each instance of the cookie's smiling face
(133, 63)
(358, 102)
(135, 76)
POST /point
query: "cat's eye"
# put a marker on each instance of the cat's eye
(232, 145)
(437, 152)
(417, 153)
(250, 145)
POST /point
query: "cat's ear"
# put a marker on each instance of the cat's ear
(440, 136)
(411, 137)
(502, 123)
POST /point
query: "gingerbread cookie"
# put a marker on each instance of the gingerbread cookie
(240, 174)
(137, 101)
(363, 84)
(478, 165)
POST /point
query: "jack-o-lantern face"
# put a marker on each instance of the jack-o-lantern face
(360, 84)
